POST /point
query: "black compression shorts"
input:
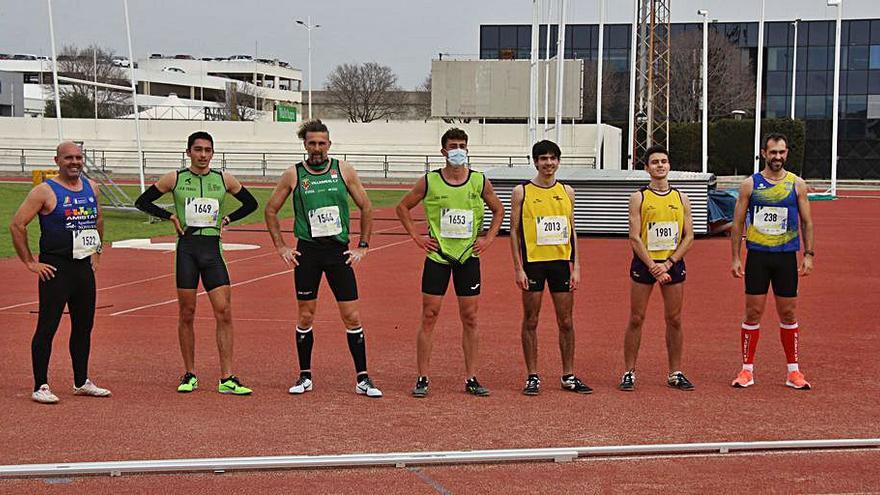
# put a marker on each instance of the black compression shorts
(200, 256)
(764, 268)
(465, 277)
(327, 257)
(557, 275)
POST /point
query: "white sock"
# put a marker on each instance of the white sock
(792, 367)
(749, 367)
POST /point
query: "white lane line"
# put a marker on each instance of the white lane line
(244, 282)
(150, 279)
(135, 282)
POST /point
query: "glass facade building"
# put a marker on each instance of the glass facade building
(859, 132)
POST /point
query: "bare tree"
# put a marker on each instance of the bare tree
(731, 85)
(240, 100)
(615, 94)
(365, 92)
(90, 64)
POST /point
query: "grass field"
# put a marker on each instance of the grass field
(124, 225)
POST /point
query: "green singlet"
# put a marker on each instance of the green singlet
(320, 203)
(198, 201)
(454, 214)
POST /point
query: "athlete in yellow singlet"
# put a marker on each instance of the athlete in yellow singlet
(661, 232)
(544, 246)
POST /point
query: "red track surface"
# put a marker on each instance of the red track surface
(136, 356)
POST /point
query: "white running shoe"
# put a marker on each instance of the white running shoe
(366, 387)
(301, 386)
(91, 390)
(44, 396)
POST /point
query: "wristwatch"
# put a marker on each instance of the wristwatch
(363, 244)
(100, 248)
(810, 252)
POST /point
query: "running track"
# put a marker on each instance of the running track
(135, 354)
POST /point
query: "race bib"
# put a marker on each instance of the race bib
(202, 212)
(552, 230)
(456, 224)
(663, 236)
(85, 243)
(770, 220)
(325, 221)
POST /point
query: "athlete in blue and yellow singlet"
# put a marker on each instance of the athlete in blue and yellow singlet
(774, 209)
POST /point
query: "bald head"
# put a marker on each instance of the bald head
(66, 147)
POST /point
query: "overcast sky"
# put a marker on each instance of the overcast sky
(403, 34)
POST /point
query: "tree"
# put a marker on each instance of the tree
(615, 96)
(731, 84)
(365, 92)
(239, 101)
(90, 64)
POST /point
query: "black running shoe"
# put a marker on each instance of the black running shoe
(533, 385)
(473, 387)
(679, 381)
(421, 388)
(628, 382)
(574, 384)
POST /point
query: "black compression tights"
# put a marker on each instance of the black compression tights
(73, 286)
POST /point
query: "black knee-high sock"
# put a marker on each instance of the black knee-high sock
(358, 349)
(304, 340)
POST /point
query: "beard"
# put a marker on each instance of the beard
(776, 165)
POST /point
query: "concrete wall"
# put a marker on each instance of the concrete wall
(496, 144)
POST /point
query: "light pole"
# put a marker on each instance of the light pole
(794, 66)
(704, 99)
(308, 25)
(760, 79)
(835, 117)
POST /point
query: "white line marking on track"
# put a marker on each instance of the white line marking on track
(157, 277)
(244, 282)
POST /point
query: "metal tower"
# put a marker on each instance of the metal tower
(652, 76)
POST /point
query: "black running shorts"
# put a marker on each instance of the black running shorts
(640, 273)
(557, 275)
(327, 257)
(200, 256)
(764, 268)
(465, 277)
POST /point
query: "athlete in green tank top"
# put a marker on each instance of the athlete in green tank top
(454, 214)
(453, 198)
(320, 203)
(321, 187)
(199, 193)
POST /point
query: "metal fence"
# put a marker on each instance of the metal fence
(257, 164)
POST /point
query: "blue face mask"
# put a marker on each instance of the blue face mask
(457, 157)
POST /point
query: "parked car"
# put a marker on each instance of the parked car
(184, 57)
(241, 58)
(156, 55)
(21, 56)
(120, 62)
(177, 70)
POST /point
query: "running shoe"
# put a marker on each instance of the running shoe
(91, 390)
(44, 396)
(574, 384)
(744, 379)
(233, 386)
(365, 387)
(301, 386)
(421, 388)
(679, 381)
(533, 385)
(188, 383)
(628, 382)
(473, 387)
(795, 379)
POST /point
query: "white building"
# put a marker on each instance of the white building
(196, 83)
